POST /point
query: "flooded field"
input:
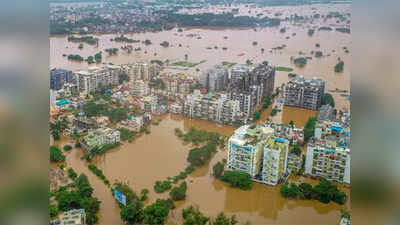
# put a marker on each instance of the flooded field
(161, 154)
(240, 48)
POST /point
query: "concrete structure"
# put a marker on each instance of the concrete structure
(212, 107)
(275, 156)
(294, 163)
(95, 77)
(73, 217)
(215, 79)
(325, 113)
(99, 137)
(328, 153)
(140, 88)
(59, 77)
(143, 71)
(304, 93)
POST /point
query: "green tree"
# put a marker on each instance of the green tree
(296, 150)
(221, 219)
(291, 123)
(306, 190)
(132, 213)
(179, 193)
(309, 128)
(155, 213)
(339, 67)
(56, 155)
(328, 99)
(71, 173)
(192, 216)
(67, 147)
(53, 210)
(218, 169)
(238, 179)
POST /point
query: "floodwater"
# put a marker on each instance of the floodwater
(238, 41)
(161, 154)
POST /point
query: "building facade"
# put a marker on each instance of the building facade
(96, 77)
(304, 93)
(215, 79)
(59, 77)
(99, 137)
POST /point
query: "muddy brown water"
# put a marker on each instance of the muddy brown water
(161, 154)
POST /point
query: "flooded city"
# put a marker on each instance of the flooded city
(161, 154)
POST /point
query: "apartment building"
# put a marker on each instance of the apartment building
(99, 137)
(238, 72)
(96, 77)
(215, 79)
(292, 134)
(212, 107)
(140, 88)
(304, 93)
(176, 108)
(275, 160)
(143, 71)
(73, 217)
(328, 153)
(59, 77)
(245, 149)
(256, 150)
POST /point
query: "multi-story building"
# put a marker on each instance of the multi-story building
(149, 103)
(73, 217)
(238, 72)
(99, 137)
(215, 79)
(143, 71)
(304, 93)
(211, 107)
(294, 162)
(95, 78)
(328, 152)
(275, 160)
(176, 108)
(59, 77)
(292, 134)
(325, 113)
(245, 149)
(140, 88)
(256, 150)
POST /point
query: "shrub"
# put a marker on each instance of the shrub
(237, 179)
(67, 147)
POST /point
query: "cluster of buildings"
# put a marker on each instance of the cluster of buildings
(264, 150)
(246, 84)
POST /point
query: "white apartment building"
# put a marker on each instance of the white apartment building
(95, 77)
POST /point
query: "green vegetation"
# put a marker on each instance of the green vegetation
(221, 219)
(112, 51)
(282, 68)
(192, 216)
(199, 156)
(67, 147)
(57, 128)
(228, 64)
(126, 134)
(86, 39)
(309, 128)
(324, 192)
(311, 32)
(291, 75)
(273, 112)
(132, 213)
(99, 173)
(343, 30)
(328, 99)
(115, 114)
(98, 57)
(187, 64)
(122, 38)
(318, 54)
(339, 67)
(179, 193)
(56, 155)
(53, 211)
(155, 213)
(325, 28)
(162, 186)
(301, 61)
(219, 20)
(72, 174)
(156, 61)
(80, 46)
(75, 57)
(218, 169)
(165, 44)
(78, 195)
(237, 179)
(267, 103)
(295, 150)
